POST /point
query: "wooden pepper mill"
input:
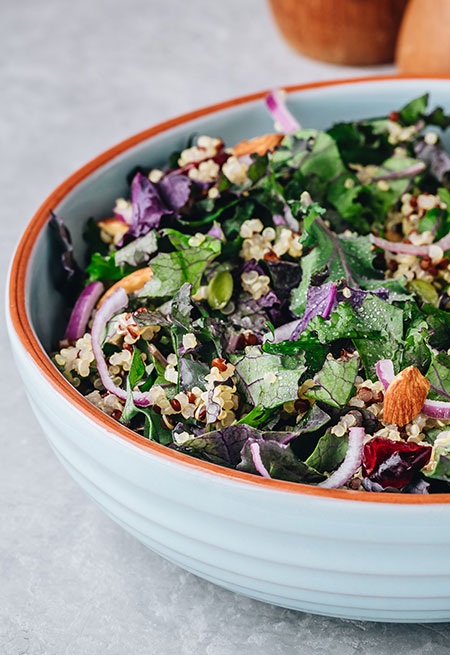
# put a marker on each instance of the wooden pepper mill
(355, 32)
(423, 45)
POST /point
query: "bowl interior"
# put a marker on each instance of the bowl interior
(317, 107)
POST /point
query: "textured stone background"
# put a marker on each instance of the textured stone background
(77, 77)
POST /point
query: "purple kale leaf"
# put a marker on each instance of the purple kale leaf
(313, 420)
(252, 265)
(278, 460)
(175, 190)
(356, 297)
(151, 201)
(320, 301)
(285, 276)
(67, 275)
(436, 157)
(249, 315)
(219, 446)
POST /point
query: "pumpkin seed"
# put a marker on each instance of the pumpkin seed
(220, 290)
(424, 290)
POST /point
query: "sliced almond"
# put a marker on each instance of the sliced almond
(405, 396)
(130, 283)
(260, 145)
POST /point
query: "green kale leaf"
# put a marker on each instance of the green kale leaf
(376, 328)
(414, 110)
(442, 469)
(416, 350)
(264, 380)
(313, 155)
(314, 351)
(172, 270)
(138, 251)
(335, 382)
(105, 268)
(220, 446)
(153, 429)
(335, 257)
(364, 205)
(388, 319)
(329, 453)
(362, 142)
(439, 322)
(344, 323)
(438, 375)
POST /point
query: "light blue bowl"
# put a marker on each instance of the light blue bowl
(382, 557)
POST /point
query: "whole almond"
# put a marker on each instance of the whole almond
(405, 396)
(260, 145)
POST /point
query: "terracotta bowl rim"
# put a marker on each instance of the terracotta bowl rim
(22, 324)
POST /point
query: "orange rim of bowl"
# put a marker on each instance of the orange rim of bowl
(25, 333)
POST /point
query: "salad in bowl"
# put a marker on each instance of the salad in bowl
(278, 306)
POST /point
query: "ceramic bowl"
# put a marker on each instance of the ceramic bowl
(349, 554)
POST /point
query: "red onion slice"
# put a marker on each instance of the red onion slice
(385, 372)
(409, 248)
(82, 310)
(437, 409)
(257, 460)
(113, 304)
(411, 171)
(276, 104)
(352, 461)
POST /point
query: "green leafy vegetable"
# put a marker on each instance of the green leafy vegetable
(414, 110)
(257, 416)
(264, 380)
(442, 470)
(263, 282)
(172, 270)
(335, 382)
(329, 453)
(438, 375)
(138, 251)
(336, 257)
(105, 268)
(439, 322)
(314, 351)
(388, 319)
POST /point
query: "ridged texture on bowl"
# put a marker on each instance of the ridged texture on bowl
(322, 555)
(338, 553)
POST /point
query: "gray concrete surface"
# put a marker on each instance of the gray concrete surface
(76, 77)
